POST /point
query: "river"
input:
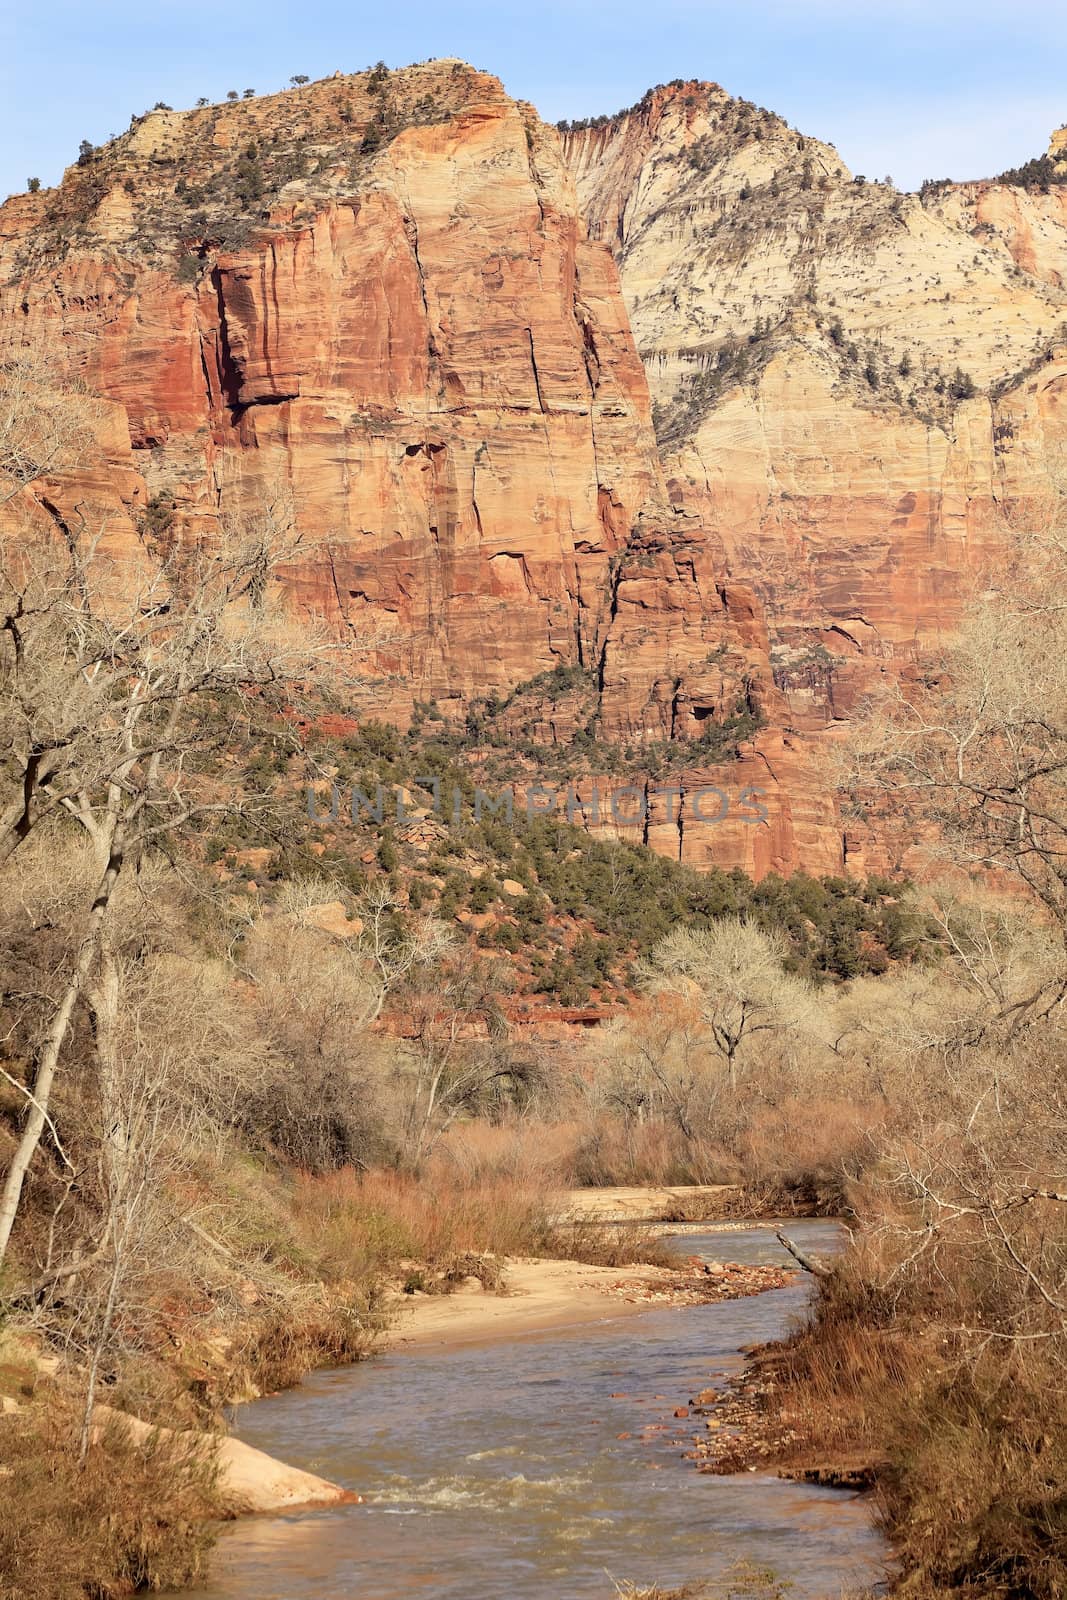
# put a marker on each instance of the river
(498, 1470)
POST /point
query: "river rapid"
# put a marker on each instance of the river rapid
(543, 1468)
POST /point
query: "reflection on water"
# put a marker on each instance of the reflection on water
(541, 1468)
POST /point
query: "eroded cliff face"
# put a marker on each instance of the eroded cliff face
(394, 298)
(858, 393)
(376, 296)
(725, 220)
(1057, 149)
(415, 340)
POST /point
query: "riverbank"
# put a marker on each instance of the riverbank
(692, 1205)
(544, 1295)
(898, 1382)
(755, 1421)
(247, 1480)
(695, 1202)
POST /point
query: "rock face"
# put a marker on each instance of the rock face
(1057, 149)
(416, 342)
(725, 221)
(858, 393)
(393, 300)
(376, 296)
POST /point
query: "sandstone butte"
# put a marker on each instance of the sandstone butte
(671, 398)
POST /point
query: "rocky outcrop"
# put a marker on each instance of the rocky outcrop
(725, 221)
(1057, 149)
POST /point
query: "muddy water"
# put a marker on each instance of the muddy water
(499, 1471)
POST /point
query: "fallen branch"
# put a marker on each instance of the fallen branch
(818, 1269)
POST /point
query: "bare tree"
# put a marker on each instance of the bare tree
(735, 973)
(179, 1062)
(393, 947)
(324, 965)
(112, 678)
(320, 1104)
(974, 757)
(654, 1061)
(455, 1046)
(45, 420)
(972, 1185)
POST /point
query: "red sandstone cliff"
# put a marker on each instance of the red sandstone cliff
(377, 295)
(417, 341)
(859, 394)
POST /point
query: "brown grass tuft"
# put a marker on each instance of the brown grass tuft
(969, 1444)
(609, 1245)
(132, 1516)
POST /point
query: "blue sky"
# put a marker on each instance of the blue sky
(909, 88)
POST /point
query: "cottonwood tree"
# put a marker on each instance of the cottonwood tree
(973, 1189)
(184, 1061)
(984, 953)
(141, 1122)
(366, 946)
(973, 759)
(654, 1062)
(319, 988)
(392, 947)
(455, 1046)
(734, 973)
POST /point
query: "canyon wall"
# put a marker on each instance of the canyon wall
(859, 393)
(376, 296)
(673, 400)
(415, 341)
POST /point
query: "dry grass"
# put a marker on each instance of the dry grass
(793, 1146)
(538, 1152)
(968, 1439)
(373, 1222)
(450, 1224)
(805, 1144)
(611, 1151)
(609, 1245)
(975, 1500)
(630, 1591)
(131, 1517)
(281, 1348)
